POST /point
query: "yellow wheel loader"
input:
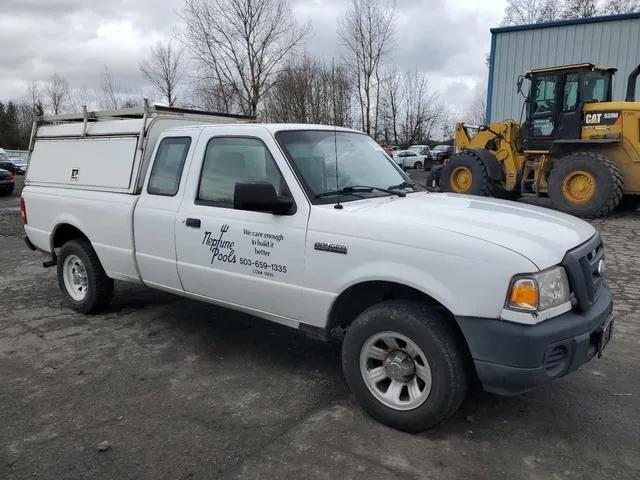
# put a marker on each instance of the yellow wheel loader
(576, 145)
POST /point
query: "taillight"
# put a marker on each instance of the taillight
(8, 176)
(23, 211)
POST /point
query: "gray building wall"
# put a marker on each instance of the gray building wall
(612, 41)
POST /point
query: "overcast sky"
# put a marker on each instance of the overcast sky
(77, 38)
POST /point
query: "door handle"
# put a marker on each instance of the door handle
(193, 222)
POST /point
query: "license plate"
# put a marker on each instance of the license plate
(607, 332)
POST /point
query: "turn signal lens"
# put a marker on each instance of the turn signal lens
(524, 295)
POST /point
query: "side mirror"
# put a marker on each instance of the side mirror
(261, 197)
(520, 81)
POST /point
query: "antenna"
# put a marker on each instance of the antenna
(338, 205)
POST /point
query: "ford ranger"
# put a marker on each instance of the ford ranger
(316, 228)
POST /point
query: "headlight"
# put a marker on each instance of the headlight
(539, 291)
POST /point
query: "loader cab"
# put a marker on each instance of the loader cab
(555, 102)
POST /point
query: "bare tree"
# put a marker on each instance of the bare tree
(390, 105)
(521, 12)
(163, 69)
(367, 32)
(57, 89)
(113, 95)
(579, 9)
(421, 111)
(109, 90)
(243, 44)
(311, 91)
(477, 110)
(33, 96)
(614, 7)
(210, 94)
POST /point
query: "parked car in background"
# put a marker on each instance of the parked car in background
(11, 167)
(420, 149)
(411, 159)
(441, 152)
(7, 182)
(21, 163)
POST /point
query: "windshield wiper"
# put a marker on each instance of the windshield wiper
(402, 185)
(352, 189)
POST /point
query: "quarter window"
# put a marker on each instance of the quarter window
(231, 160)
(167, 167)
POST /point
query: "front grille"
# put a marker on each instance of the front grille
(582, 266)
(555, 357)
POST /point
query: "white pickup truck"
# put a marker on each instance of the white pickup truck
(316, 228)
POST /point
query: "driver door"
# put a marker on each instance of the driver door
(543, 111)
(241, 257)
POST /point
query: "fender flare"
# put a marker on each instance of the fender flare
(494, 169)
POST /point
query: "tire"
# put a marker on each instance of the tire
(629, 203)
(436, 340)
(592, 171)
(417, 165)
(479, 183)
(98, 290)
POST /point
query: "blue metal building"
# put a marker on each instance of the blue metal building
(612, 41)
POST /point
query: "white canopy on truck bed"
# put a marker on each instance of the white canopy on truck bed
(105, 150)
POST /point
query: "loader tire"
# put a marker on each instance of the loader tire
(585, 184)
(465, 173)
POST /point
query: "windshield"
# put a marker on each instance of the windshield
(441, 147)
(361, 162)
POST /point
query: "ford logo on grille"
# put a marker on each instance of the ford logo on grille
(601, 268)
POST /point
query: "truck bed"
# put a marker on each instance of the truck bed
(106, 218)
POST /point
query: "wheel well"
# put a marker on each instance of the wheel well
(357, 298)
(65, 232)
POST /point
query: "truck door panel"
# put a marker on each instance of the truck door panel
(155, 213)
(250, 258)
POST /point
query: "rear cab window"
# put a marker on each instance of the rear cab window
(168, 165)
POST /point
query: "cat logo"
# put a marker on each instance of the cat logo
(601, 118)
(592, 118)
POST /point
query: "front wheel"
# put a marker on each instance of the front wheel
(83, 281)
(465, 173)
(417, 165)
(405, 365)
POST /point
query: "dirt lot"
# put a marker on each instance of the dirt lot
(183, 390)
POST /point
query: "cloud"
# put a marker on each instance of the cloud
(77, 38)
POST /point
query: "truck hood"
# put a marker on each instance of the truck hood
(540, 234)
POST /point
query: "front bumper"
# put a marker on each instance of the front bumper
(512, 358)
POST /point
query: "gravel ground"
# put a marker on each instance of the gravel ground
(162, 387)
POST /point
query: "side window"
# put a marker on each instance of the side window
(544, 89)
(571, 88)
(167, 166)
(231, 160)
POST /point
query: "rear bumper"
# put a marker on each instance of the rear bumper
(511, 358)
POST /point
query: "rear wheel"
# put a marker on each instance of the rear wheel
(405, 365)
(82, 279)
(586, 185)
(465, 173)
